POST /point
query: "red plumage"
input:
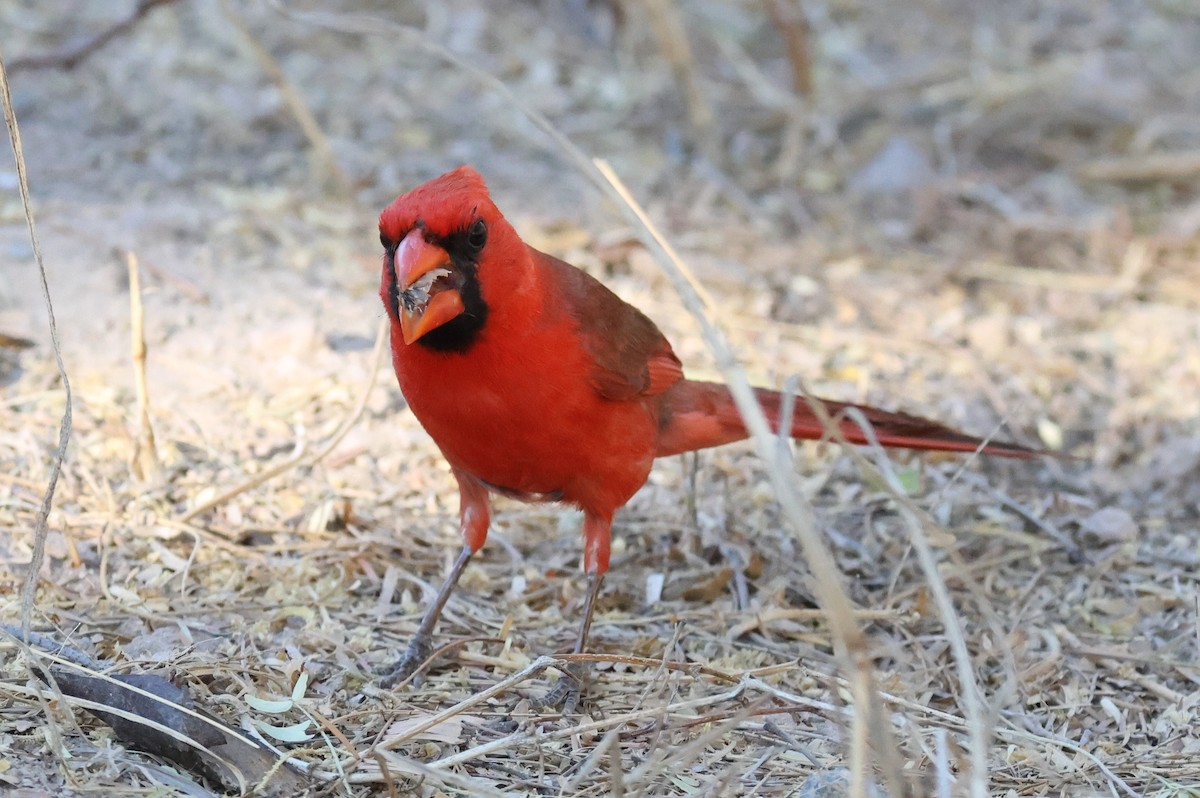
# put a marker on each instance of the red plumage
(547, 385)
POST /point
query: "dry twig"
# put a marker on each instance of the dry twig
(1167, 166)
(73, 56)
(295, 102)
(145, 452)
(788, 17)
(29, 588)
(851, 642)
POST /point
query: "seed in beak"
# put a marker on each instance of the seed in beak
(416, 296)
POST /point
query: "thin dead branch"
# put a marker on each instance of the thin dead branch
(1172, 166)
(852, 645)
(145, 463)
(40, 529)
(74, 55)
(14, 342)
(293, 98)
(788, 18)
(669, 29)
(528, 672)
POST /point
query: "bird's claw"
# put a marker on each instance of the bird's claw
(567, 692)
(414, 656)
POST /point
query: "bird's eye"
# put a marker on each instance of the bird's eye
(477, 235)
(383, 239)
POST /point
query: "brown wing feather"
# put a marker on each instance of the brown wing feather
(631, 356)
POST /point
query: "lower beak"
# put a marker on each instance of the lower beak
(423, 311)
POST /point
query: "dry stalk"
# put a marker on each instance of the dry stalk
(40, 529)
(941, 764)
(977, 709)
(764, 617)
(772, 728)
(1079, 282)
(1074, 748)
(47, 700)
(609, 746)
(652, 712)
(664, 665)
(850, 641)
(14, 342)
(295, 102)
(616, 775)
(386, 760)
(658, 713)
(1171, 166)
(919, 524)
(529, 671)
(672, 38)
(181, 284)
(788, 18)
(482, 750)
(145, 452)
(951, 720)
(661, 758)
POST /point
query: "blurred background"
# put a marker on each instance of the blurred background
(1030, 158)
(984, 212)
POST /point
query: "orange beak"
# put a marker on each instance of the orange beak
(422, 308)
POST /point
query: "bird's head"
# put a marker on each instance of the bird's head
(437, 240)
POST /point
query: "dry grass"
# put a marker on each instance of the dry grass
(1040, 272)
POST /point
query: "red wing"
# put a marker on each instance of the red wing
(630, 356)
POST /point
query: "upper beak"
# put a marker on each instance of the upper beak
(415, 258)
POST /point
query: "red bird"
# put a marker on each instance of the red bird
(539, 383)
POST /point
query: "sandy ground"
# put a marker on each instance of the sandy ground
(965, 219)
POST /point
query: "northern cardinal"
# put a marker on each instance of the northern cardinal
(539, 383)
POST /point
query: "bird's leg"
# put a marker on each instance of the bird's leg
(567, 692)
(474, 515)
(597, 534)
(421, 644)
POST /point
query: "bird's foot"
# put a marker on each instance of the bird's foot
(418, 650)
(567, 693)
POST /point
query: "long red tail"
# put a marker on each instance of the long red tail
(696, 415)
